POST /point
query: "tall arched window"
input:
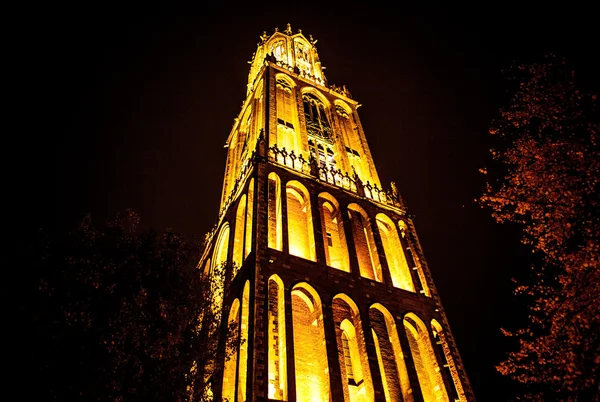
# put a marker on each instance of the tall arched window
(364, 244)
(275, 230)
(352, 352)
(411, 249)
(310, 354)
(217, 268)
(317, 122)
(426, 365)
(334, 239)
(243, 361)
(301, 237)
(229, 369)
(221, 246)
(249, 211)
(390, 358)
(240, 226)
(278, 50)
(440, 340)
(276, 341)
(286, 115)
(399, 270)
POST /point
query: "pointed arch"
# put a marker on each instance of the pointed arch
(310, 354)
(352, 351)
(221, 246)
(301, 236)
(275, 219)
(277, 369)
(287, 114)
(364, 244)
(440, 339)
(240, 227)
(249, 211)
(229, 368)
(426, 365)
(316, 107)
(392, 365)
(412, 249)
(334, 238)
(396, 260)
(243, 358)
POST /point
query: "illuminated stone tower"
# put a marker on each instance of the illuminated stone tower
(332, 299)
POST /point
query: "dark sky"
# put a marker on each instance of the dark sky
(132, 111)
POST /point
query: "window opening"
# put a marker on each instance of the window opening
(348, 360)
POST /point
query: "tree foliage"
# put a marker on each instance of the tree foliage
(548, 173)
(122, 314)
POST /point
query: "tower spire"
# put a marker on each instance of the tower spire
(327, 293)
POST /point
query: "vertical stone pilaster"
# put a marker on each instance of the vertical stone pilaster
(335, 372)
(408, 359)
(372, 357)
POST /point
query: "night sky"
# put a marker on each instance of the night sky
(133, 111)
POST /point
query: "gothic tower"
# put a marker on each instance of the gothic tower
(329, 297)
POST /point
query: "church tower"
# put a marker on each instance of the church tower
(328, 296)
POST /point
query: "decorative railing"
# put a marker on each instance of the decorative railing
(335, 177)
(299, 163)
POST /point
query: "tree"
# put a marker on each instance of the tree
(547, 182)
(121, 314)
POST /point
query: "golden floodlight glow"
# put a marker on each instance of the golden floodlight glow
(310, 355)
(319, 263)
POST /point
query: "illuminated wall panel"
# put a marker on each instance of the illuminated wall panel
(243, 359)
(276, 341)
(428, 371)
(364, 244)
(240, 226)
(310, 354)
(392, 366)
(229, 369)
(300, 228)
(275, 227)
(334, 239)
(440, 339)
(249, 211)
(399, 270)
(352, 352)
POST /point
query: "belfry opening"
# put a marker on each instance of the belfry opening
(327, 295)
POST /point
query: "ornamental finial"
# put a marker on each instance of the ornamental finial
(288, 30)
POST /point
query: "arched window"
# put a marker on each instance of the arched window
(239, 238)
(278, 50)
(221, 246)
(276, 341)
(399, 270)
(302, 56)
(229, 369)
(286, 115)
(317, 122)
(300, 227)
(243, 360)
(275, 230)
(352, 352)
(364, 244)
(440, 340)
(310, 354)
(334, 239)
(249, 211)
(412, 252)
(426, 365)
(218, 260)
(390, 358)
